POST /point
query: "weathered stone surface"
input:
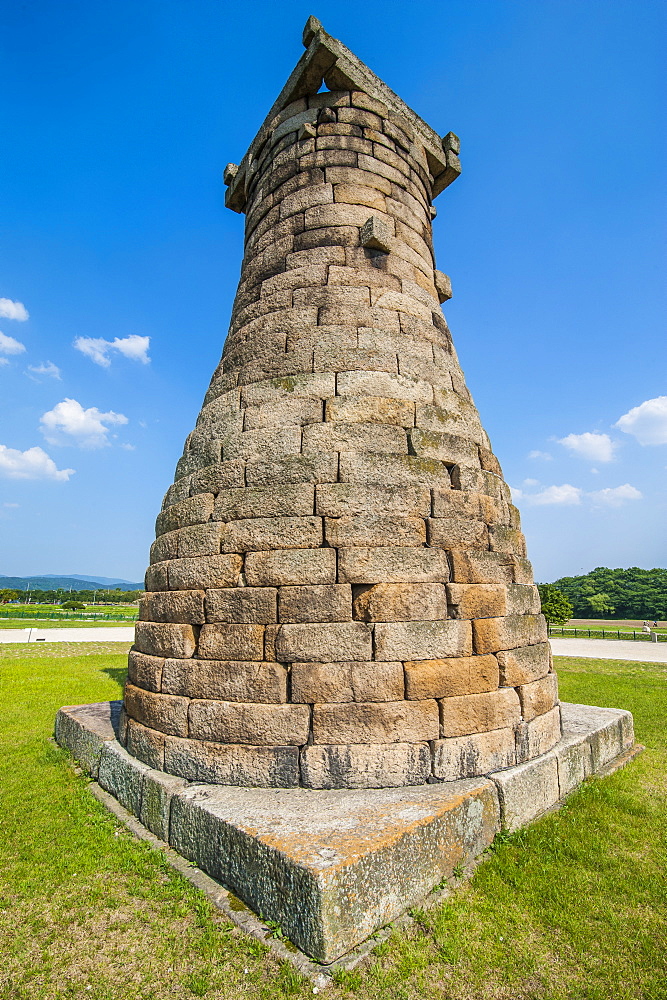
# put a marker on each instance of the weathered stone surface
(312, 468)
(374, 529)
(479, 566)
(197, 540)
(418, 640)
(164, 639)
(290, 567)
(157, 791)
(376, 722)
(478, 713)
(233, 764)
(145, 671)
(200, 572)
(147, 745)
(371, 409)
(524, 664)
(350, 499)
(538, 697)
(122, 775)
(601, 727)
(226, 680)
(178, 607)
(455, 532)
(254, 724)
(447, 678)
(257, 501)
(392, 602)
(325, 642)
(231, 642)
(493, 634)
(381, 765)
(573, 755)
(405, 470)
(538, 736)
(388, 439)
(194, 510)
(338, 852)
(477, 600)
(392, 564)
(83, 730)
(351, 681)
(324, 603)
(473, 755)
(242, 605)
(527, 790)
(166, 713)
(257, 533)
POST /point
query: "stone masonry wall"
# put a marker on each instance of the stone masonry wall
(338, 592)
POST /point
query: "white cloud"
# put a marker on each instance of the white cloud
(13, 310)
(98, 349)
(616, 496)
(531, 482)
(564, 495)
(31, 464)
(11, 505)
(128, 447)
(593, 446)
(646, 422)
(3, 361)
(48, 368)
(10, 346)
(85, 428)
(544, 455)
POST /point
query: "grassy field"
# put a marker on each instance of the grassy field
(65, 623)
(574, 908)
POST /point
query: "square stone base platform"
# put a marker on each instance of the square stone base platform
(330, 867)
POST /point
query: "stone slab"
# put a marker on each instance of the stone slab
(343, 854)
(353, 860)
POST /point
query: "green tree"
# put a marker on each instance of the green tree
(601, 604)
(8, 595)
(73, 605)
(555, 606)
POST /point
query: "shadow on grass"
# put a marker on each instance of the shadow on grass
(117, 674)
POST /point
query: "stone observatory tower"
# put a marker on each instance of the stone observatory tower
(338, 594)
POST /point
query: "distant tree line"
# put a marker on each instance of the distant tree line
(618, 593)
(61, 596)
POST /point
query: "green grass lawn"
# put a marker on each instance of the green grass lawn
(45, 623)
(573, 907)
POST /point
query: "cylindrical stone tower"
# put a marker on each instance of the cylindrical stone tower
(338, 593)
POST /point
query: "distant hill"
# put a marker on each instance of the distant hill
(50, 582)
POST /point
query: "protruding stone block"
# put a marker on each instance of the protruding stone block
(290, 567)
(166, 713)
(538, 697)
(375, 233)
(242, 605)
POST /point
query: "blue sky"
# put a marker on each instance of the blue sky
(118, 119)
